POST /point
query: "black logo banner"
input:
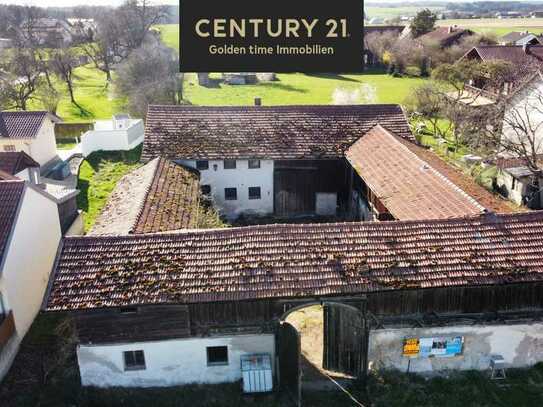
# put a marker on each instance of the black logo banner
(279, 36)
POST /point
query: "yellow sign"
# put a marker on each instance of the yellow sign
(411, 347)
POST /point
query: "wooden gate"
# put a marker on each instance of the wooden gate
(345, 340)
(288, 350)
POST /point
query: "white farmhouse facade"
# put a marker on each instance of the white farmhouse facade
(237, 186)
(170, 362)
(29, 239)
(30, 132)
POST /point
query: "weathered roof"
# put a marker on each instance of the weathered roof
(504, 163)
(15, 162)
(492, 202)
(515, 54)
(515, 36)
(283, 261)
(405, 184)
(22, 124)
(10, 195)
(156, 197)
(445, 35)
(265, 132)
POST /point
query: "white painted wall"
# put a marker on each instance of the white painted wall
(505, 180)
(520, 346)
(526, 107)
(29, 259)
(170, 362)
(241, 178)
(42, 149)
(106, 138)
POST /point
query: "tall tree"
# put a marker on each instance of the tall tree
(423, 22)
(150, 75)
(64, 61)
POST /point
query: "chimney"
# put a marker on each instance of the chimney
(526, 48)
(258, 102)
(450, 30)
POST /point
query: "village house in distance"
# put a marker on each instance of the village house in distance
(421, 267)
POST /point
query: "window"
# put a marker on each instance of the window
(202, 165)
(230, 194)
(229, 164)
(134, 360)
(254, 163)
(128, 310)
(206, 189)
(254, 192)
(9, 148)
(217, 355)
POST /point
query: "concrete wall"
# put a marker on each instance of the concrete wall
(170, 362)
(108, 139)
(242, 177)
(29, 259)
(520, 346)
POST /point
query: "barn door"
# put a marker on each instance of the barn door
(294, 192)
(345, 340)
(288, 351)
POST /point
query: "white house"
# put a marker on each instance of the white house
(119, 133)
(31, 132)
(29, 239)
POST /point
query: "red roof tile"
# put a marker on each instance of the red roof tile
(157, 197)
(265, 132)
(408, 186)
(10, 195)
(23, 124)
(15, 162)
(284, 261)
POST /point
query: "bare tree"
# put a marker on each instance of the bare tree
(137, 17)
(150, 75)
(21, 78)
(64, 62)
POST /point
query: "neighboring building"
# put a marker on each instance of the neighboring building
(20, 165)
(292, 161)
(50, 32)
(183, 307)
(521, 38)
(445, 36)
(157, 197)
(536, 14)
(515, 182)
(30, 132)
(29, 239)
(121, 133)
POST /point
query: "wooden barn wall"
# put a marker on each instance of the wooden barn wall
(148, 323)
(235, 313)
(510, 297)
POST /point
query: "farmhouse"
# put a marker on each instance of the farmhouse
(31, 132)
(521, 38)
(29, 238)
(347, 162)
(50, 32)
(173, 308)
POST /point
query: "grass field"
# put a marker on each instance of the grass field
(98, 176)
(498, 26)
(389, 12)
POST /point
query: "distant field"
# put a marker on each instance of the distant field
(395, 11)
(498, 26)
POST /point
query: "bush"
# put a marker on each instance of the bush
(413, 71)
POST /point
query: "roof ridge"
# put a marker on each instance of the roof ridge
(141, 203)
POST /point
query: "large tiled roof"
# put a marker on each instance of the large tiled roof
(406, 185)
(515, 54)
(156, 197)
(283, 261)
(265, 132)
(23, 124)
(15, 162)
(10, 195)
(445, 35)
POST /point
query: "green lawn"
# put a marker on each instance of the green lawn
(98, 175)
(498, 26)
(91, 93)
(298, 88)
